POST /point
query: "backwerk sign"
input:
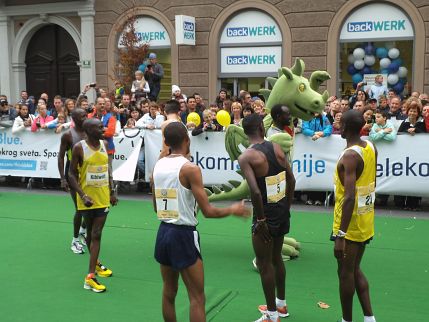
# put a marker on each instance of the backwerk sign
(377, 21)
(251, 27)
(185, 30)
(245, 60)
(150, 31)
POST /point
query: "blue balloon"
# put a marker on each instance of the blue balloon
(393, 68)
(369, 49)
(367, 70)
(357, 78)
(384, 71)
(142, 67)
(398, 88)
(351, 69)
(398, 61)
(381, 52)
(402, 80)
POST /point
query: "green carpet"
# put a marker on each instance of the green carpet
(42, 280)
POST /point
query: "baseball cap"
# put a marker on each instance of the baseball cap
(372, 100)
(152, 55)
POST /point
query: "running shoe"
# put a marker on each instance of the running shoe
(91, 283)
(266, 318)
(102, 270)
(76, 247)
(283, 313)
(82, 238)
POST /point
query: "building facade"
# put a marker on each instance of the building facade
(60, 45)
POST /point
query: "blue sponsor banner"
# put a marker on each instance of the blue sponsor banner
(22, 165)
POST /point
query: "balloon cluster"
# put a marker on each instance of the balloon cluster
(367, 59)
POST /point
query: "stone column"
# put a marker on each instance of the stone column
(87, 72)
(5, 59)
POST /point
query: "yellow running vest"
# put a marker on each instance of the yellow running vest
(361, 226)
(94, 177)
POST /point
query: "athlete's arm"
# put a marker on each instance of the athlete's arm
(64, 146)
(77, 160)
(249, 174)
(290, 178)
(113, 198)
(191, 178)
(350, 164)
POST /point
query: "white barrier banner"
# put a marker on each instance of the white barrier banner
(207, 151)
(402, 165)
(29, 154)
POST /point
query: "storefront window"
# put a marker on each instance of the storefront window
(250, 50)
(377, 39)
(152, 32)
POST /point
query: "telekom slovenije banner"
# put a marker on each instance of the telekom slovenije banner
(403, 165)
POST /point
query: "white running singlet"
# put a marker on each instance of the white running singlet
(175, 204)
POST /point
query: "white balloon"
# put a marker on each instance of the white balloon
(359, 64)
(351, 59)
(392, 79)
(389, 45)
(402, 72)
(369, 60)
(393, 53)
(359, 53)
(384, 62)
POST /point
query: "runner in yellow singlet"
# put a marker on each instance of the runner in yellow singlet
(91, 178)
(353, 225)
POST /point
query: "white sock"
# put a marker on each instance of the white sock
(273, 315)
(369, 319)
(75, 239)
(342, 320)
(280, 303)
(82, 230)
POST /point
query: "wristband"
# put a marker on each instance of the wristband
(84, 196)
(341, 234)
(261, 220)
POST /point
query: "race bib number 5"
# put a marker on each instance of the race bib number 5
(276, 187)
(167, 205)
(366, 199)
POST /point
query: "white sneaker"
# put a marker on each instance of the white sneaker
(76, 247)
(82, 238)
(266, 318)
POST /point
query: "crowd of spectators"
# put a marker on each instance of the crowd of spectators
(136, 105)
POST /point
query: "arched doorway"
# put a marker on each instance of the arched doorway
(50, 60)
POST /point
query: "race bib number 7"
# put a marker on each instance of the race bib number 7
(366, 199)
(276, 187)
(167, 206)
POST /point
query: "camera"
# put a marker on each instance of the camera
(364, 83)
(3, 102)
(92, 84)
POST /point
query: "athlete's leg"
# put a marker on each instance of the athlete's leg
(77, 220)
(362, 286)
(279, 267)
(170, 279)
(193, 277)
(346, 275)
(95, 240)
(263, 252)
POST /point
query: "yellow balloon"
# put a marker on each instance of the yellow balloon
(194, 118)
(223, 118)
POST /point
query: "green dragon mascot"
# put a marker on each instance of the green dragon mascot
(292, 89)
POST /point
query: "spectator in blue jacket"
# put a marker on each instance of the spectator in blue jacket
(316, 128)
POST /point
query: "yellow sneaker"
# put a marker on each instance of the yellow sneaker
(102, 270)
(91, 283)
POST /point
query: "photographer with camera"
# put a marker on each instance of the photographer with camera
(153, 74)
(7, 113)
(23, 120)
(82, 99)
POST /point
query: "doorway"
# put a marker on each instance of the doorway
(51, 63)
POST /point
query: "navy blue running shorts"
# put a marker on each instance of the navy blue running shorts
(177, 246)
